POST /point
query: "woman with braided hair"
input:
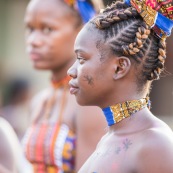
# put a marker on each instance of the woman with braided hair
(119, 53)
(60, 139)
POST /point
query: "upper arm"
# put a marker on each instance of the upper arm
(3, 169)
(6, 154)
(8, 146)
(11, 155)
(90, 127)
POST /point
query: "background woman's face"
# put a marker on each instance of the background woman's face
(50, 34)
(92, 71)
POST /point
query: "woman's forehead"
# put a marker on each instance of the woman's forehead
(50, 8)
(86, 38)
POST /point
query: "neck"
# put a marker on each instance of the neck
(61, 72)
(116, 113)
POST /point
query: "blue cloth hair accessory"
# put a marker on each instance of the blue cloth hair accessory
(86, 10)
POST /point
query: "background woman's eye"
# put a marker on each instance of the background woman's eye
(29, 29)
(47, 30)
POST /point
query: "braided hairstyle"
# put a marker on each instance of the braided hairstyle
(127, 34)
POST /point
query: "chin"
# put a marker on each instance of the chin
(40, 67)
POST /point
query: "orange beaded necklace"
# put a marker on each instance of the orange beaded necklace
(56, 84)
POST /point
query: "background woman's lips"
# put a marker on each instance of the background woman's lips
(34, 56)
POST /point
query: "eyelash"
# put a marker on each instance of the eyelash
(80, 59)
(45, 30)
(29, 29)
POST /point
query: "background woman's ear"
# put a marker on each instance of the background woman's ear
(121, 67)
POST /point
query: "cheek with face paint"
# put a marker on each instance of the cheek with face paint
(93, 79)
(89, 79)
(93, 68)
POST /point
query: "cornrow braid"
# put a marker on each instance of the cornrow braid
(114, 16)
(141, 36)
(127, 34)
(154, 66)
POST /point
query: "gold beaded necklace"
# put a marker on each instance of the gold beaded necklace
(120, 111)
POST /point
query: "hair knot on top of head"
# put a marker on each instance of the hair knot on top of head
(134, 29)
(84, 7)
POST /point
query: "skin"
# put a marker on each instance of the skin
(9, 148)
(4, 170)
(50, 35)
(138, 144)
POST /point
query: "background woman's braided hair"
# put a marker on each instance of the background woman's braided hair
(127, 34)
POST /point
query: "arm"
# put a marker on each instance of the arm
(12, 159)
(90, 127)
(7, 147)
(4, 170)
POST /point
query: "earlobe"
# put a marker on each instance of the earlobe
(121, 67)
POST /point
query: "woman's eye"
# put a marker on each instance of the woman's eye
(81, 60)
(47, 30)
(29, 29)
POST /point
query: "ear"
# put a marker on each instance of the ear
(121, 67)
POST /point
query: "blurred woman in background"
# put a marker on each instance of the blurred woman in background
(63, 134)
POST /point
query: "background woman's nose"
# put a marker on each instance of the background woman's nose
(34, 39)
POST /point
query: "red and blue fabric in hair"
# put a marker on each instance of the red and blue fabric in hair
(84, 7)
(165, 7)
(158, 14)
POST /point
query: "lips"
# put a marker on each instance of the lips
(35, 56)
(73, 88)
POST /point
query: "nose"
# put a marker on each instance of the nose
(34, 39)
(72, 71)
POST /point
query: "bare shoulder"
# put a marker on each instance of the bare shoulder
(156, 152)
